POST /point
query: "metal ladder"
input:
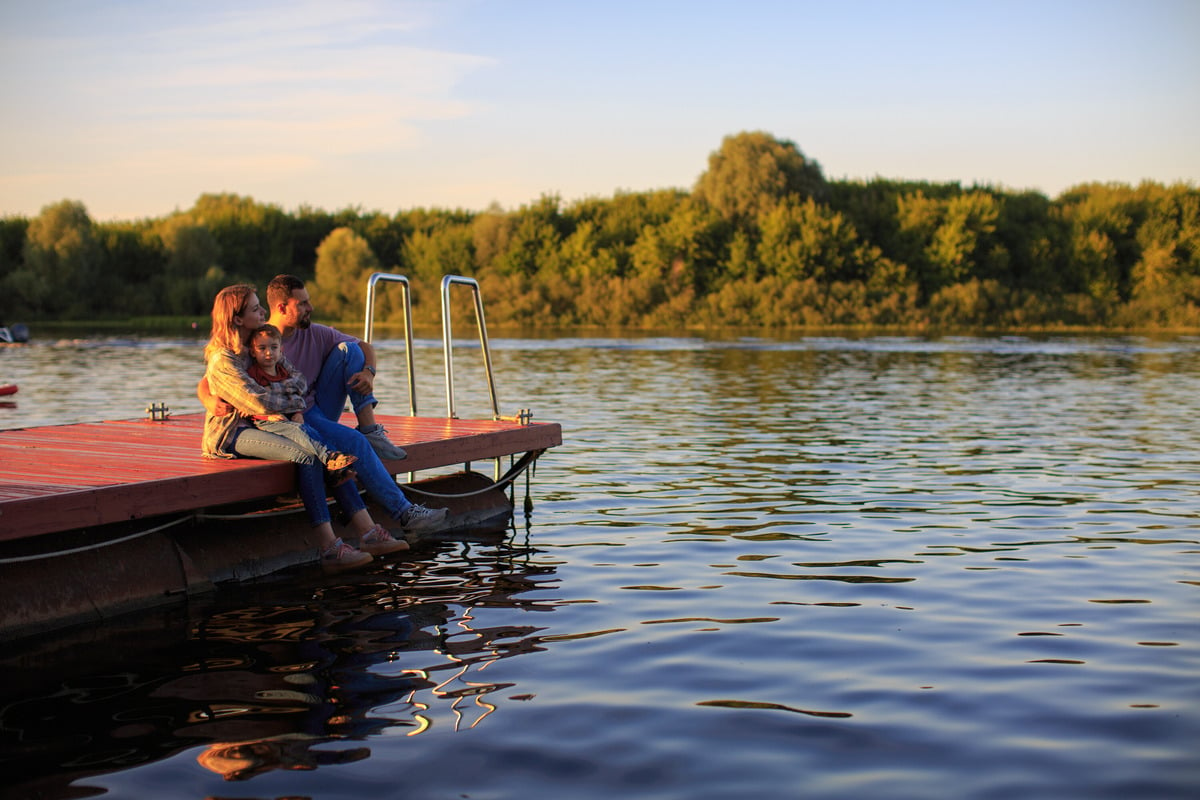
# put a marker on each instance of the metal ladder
(369, 328)
(447, 336)
(447, 340)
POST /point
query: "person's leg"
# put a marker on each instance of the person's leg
(370, 470)
(331, 391)
(374, 477)
(372, 538)
(310, 485)
(255, 443)
(323, 452)
(295, 432)
(336, 555)
(350, 502)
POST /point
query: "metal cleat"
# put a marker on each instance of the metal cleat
(522, 417)
(158, 412)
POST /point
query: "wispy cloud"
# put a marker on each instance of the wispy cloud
(226, 90)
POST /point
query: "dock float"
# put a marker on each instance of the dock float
(100, 518)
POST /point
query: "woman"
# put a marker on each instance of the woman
(236, 315)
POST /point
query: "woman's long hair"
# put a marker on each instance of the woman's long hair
(226, 334)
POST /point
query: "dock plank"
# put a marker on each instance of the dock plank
(63, 477)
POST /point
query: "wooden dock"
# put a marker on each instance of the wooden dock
(98, 519)
(66, 477)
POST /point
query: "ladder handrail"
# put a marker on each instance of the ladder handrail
(369, 327)
(447, 342)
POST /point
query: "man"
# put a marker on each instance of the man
(339, 367)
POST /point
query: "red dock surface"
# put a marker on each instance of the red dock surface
(65, 477)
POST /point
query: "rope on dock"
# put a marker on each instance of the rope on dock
(97, 545)
(513, 472)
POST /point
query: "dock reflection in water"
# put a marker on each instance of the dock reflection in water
(287, 677)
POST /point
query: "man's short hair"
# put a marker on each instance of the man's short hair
(280, 289)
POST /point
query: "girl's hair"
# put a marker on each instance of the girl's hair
(226, 334)
(268, 330)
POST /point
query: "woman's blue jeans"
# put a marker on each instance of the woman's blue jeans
(310, 473)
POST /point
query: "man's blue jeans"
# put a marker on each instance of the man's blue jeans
(331, 392)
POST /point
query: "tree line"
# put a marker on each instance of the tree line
(763, 239)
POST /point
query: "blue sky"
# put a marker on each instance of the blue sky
(137, 107)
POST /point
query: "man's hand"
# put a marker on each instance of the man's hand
(362, 382)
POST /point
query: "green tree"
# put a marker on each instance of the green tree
(801, 239)
(534, 240)
(1035, 239)
(192, 272)
(133, 256)
(680, 257)
(1166, 277)
(255, 239)
(344, 263)
(1102, 220)
(445, 251)
(947, 240)
(753, 171)
(61, 263)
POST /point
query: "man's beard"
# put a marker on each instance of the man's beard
(305, 322)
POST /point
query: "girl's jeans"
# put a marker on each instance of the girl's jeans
(298, 433)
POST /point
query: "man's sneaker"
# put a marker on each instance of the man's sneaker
(419, 518)
(381, 444)
(340, 556)
(379, 541)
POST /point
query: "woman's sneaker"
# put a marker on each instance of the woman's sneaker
(379, 541)
(340, 556)
(419, 518)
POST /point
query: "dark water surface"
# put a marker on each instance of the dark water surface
(823, 567)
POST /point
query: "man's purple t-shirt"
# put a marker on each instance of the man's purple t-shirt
(307, 349)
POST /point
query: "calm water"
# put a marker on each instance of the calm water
(828, 568)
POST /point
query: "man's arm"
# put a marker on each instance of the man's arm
(364, 382)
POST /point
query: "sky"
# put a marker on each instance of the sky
(137, 107)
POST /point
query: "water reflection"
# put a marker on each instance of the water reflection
(872, 567)
(283, 677)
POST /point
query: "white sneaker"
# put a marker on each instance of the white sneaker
(381, 444)
(419, 518)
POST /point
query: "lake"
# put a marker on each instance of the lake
(902, 567)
